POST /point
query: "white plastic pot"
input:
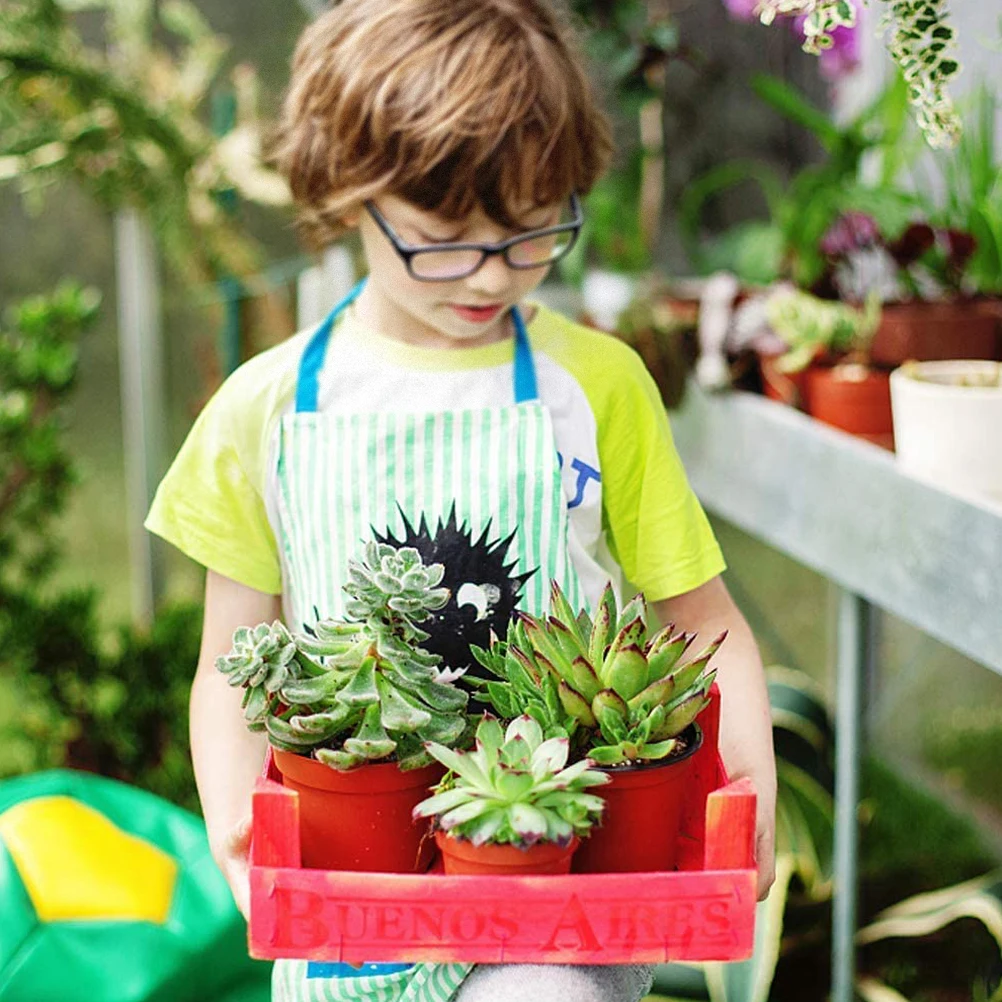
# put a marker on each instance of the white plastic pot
(947, 433)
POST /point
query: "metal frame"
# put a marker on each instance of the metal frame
(844, 508)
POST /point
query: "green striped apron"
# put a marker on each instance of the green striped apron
(346, 478)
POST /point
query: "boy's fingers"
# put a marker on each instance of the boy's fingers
(765, 858)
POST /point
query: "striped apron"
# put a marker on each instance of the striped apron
(480, 489)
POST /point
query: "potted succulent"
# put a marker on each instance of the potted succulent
(625, 700)
(512, 804)
(348, 707)
(828, 342)
(947, 417)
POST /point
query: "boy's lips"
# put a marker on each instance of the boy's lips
(477, 314)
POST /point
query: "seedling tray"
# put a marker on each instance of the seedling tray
(705, 910)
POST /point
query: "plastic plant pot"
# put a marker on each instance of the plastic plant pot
(360, 819)
(855, 398)
(462, 857)
(642, 816)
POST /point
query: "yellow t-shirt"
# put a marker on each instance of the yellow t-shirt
(630, 505)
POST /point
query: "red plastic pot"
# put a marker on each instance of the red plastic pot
(784, 387)
(360, 819)
(643, 812)
(855, 398)
(460, 856)
(933, 332)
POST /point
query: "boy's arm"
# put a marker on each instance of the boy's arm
(227, 756)
(745, 722)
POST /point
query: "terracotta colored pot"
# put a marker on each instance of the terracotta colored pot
(855, 398)
(643, 813)
(460, 856)
(931, 332)
(360, 819)
(785, 387)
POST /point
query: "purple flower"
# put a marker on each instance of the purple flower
(742, 10)
(851, 231)
(843, 57)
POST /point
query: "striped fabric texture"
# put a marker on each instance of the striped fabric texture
(497, 466)
(422, 983)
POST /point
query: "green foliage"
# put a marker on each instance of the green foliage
(38, 362)
(619, 694)
(802, 210)
(919, 39)
(361, 689)
(120, 712)
(128, 120)
(513, 788)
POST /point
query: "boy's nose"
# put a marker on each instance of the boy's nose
(491, 278)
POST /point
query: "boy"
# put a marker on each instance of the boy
(456, 136)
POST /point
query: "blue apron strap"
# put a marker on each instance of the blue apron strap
(308, 382)
(525, 367)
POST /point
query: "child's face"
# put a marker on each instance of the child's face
(465, 312)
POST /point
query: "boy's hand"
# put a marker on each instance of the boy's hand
(765, 843)
(233, 858)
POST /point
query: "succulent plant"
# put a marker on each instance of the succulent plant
(514, 787)
(358, 689)
(620, 695)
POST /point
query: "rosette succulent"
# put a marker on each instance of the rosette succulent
(514, 787)
(358, 689)
(619, 694)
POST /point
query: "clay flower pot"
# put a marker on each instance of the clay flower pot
(931, 332)
(360, 819)
(852, 397)
(643, 813)
(460, 856)
(785, 387)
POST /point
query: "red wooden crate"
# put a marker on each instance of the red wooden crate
(704, 911)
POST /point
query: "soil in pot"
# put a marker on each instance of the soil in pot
(855, 398)
(360, 819)
(642, 816)
(460, 856)
(930, 332)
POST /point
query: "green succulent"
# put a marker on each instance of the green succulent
(514, 787)
(621, 695)
(360, 689)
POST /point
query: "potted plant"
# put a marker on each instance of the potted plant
(828, 341)
(947, 417)
(931, 312)
(348, 708)
(512, 804)
(625, 700)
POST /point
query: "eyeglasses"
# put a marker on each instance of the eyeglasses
(447, 262)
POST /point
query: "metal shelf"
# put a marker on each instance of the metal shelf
(844, 508)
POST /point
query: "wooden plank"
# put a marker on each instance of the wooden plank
(275, 834)
(730, 827)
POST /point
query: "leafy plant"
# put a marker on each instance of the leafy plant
(620, 695)
(513, 788)
(802, 210)
(919, 39)
(360, 689)
(116, 708)
(810, 326)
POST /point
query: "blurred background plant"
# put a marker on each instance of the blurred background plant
(70, 696)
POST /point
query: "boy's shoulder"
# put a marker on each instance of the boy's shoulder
(602, 363)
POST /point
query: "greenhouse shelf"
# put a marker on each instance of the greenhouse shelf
(703, 911)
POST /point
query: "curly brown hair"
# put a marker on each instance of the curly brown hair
(448, 104)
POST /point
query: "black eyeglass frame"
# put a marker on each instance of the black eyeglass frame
(408, 252)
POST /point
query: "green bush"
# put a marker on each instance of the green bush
(73, 699)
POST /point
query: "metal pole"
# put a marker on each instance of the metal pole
(140, 363)
(854, 637)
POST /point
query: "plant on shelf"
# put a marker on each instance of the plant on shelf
(624, 698)
(514, 789)
(358, 690)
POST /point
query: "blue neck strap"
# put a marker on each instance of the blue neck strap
(308, 383)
